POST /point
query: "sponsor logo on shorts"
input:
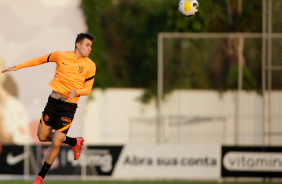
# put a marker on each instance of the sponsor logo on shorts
(46, 117)
(66, 119)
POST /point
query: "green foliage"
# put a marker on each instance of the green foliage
(125, 51)
(232, 78)
(188, 67)
(91, 12)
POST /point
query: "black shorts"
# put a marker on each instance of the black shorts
(58, 114)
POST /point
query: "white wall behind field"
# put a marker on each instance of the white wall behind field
(191, 116)
(107, 114)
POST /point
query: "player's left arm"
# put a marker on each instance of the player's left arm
(86, 90)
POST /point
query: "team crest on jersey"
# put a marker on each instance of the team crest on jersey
(80, 69)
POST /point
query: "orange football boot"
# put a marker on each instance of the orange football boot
(77, 147)
(38, 180)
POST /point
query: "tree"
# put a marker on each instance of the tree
(126, 48)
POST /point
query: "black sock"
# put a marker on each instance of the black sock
(70, 141)
(44, 170)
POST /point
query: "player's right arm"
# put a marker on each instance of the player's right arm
(53, 57)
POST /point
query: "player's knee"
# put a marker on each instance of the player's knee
(41, 137)
(56, 143)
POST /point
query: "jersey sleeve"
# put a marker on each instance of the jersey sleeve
(53, 57)
(88, 82)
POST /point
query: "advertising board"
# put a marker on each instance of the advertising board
(251, 161)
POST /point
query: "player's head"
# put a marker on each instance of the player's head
(83, 44)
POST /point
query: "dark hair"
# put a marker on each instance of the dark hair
(80, 37)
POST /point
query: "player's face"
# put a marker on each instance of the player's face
(85, 47)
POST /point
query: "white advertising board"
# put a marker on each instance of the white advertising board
(169, 161)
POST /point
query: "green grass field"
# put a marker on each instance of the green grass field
(125, 182)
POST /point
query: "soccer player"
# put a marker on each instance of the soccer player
(74, 77)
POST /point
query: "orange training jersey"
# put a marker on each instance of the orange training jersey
(71, 72)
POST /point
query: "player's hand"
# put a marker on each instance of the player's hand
(13, 68)
(72, 93)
